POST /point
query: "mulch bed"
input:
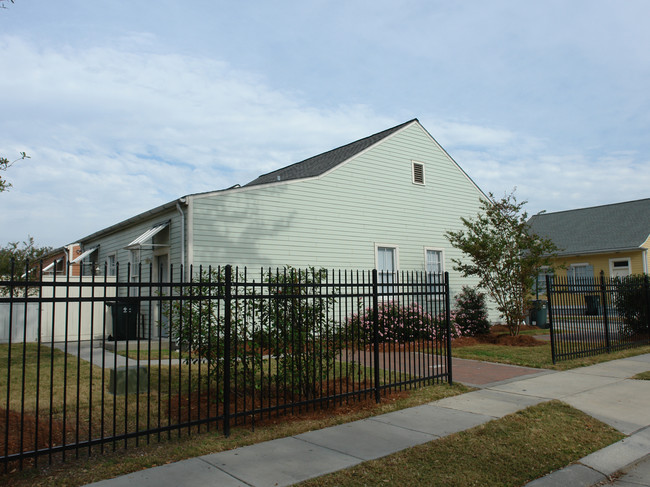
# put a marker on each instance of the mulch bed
(499, 335)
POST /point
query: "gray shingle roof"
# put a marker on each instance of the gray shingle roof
(317, 165)
(620, 226)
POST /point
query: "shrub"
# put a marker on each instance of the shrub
(197, 323)
(631, 303)
(471, 316)
(299, 328)
(397, 323)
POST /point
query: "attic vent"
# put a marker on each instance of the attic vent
(418, 173)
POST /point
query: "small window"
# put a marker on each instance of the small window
(386, 267)
(111, 264)
(135, 265)
(418, 173)
(434, 267)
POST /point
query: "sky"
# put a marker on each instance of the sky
(124, 106)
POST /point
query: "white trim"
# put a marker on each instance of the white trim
(620, 259)
(387, 246)
(424, 176)
(108, 264)
(148, 235)
(645, 260)
(311, 178)
(455, 163)
(84, 255)
(190, 235)
(442, 257)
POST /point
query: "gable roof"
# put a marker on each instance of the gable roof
(320, 164)
(606, 228)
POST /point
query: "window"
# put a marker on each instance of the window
(135, 264)
(111, 264)
(619, 267)
(540, 283)
(418, 173)
(580, 271)
(386, 267)
(434, 265)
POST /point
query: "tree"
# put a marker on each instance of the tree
(20, 253)
(4, 165)
(503, 254)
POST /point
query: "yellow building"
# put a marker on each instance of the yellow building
(613, 239)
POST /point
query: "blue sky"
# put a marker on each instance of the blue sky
(123, 106)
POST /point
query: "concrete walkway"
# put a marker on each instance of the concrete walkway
(604, 391)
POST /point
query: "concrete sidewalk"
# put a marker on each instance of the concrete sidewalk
(604, 391)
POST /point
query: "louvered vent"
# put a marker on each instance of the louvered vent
(418, 173)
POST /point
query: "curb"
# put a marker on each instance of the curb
(598, 467)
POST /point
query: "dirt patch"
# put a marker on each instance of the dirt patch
(194, 407)
(32, 434)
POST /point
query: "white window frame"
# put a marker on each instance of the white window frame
(540, 281)
(385, 287)
(135, 259)
(572, 267)
(426, 268)
(424, 177)
(111, 267)
(620, 259)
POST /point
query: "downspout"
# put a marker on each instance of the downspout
(180, 210)
(645, 261)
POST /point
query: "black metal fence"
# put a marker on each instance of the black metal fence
(90, 363)
(591, 316)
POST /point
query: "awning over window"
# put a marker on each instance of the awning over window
(148, 235)
(52, 264)
(85, 254)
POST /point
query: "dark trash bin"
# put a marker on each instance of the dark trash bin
(538, 313)
(125, 314)
(593, 305)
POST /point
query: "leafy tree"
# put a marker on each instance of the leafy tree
(503, 254)
(20, 253)
(4, 165)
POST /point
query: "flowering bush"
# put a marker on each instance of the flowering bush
(470, 316)
(397, 323)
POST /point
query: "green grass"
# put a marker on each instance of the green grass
(154, 354)
(642, 376)
(181, 446)
(537, 357)
(507, 452)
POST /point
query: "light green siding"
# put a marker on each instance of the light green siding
(115, 243)
(336, 220)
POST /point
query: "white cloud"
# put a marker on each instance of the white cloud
(113, 132)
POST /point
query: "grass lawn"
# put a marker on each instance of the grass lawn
(642, 376)
(538, 357)
(507, 452)
(120, 462)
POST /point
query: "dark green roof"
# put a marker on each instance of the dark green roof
(320, 164)
(619, 226)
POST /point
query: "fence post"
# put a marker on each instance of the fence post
(448, 319)
(226, 351)
(549, 293)
(603, 294)
(375, 331)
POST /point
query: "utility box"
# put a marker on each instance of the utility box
(132, 379)
(125, 313)
(593, 305)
